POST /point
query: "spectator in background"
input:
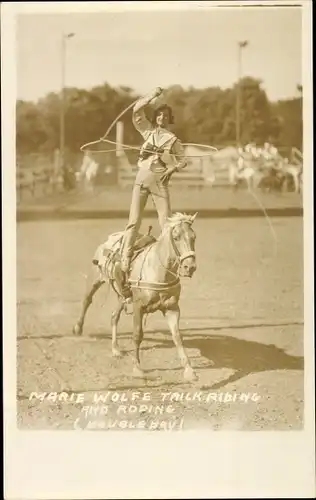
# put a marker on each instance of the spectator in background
(69, 178)
(270, 154)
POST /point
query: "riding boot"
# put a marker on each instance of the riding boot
(126, 288)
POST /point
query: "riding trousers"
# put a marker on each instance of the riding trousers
(147, 183)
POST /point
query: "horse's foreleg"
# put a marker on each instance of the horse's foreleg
(138, 334)
(173, 319)
(91, 290)
(114, 322)
(118, 277)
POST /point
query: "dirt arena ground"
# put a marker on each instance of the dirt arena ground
(104, 200)
(242, 325)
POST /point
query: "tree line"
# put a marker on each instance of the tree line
(205, 116)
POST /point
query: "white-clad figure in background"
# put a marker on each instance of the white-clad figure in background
(249, 148)
(88, 171)
(266, 154)
(240, 160)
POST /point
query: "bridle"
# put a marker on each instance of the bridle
(180, 256)
(158, 286)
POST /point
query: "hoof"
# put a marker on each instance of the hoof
(189, 375)
(77, 330)
(138, 372)
(116, 353)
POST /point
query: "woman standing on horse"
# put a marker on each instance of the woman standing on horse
(161, 155)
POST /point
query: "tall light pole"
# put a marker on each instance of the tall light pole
(64, 38)
(240, 46)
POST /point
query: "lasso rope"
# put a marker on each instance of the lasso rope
(126, 146)
(267, 218)
(137, 148)
(83, 148)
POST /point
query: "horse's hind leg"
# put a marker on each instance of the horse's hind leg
(92, 287)
(138, 335)
(173, 318)
(114, 322)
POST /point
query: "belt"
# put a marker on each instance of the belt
(156, 167)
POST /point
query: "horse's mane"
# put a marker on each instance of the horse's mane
(178, 217)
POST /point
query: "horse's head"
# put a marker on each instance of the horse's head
(183, 241)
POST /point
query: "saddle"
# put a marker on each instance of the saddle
(114, 243)
(142, 242)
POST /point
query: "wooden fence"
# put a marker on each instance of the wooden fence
(38, 174)
(197, 174)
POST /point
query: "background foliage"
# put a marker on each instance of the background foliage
(205, 116)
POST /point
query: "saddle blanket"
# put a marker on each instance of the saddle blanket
(114, 243)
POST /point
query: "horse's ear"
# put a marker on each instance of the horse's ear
(193, 217)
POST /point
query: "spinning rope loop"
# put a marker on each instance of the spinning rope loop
(136, 148)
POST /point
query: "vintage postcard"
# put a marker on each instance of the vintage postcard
(157, 240)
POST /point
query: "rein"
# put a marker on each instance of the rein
(158, 286)
(155, 286)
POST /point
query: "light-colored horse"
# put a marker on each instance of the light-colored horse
(155, 281)
(295, 172)
(243, 171)
(200, 156)
(240, 167)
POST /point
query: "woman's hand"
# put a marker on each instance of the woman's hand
(167, 174)
(156, 93)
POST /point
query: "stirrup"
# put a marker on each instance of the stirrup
(127, 292)
(127, 299)
(128, 307)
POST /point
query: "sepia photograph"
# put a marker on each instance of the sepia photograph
(158, 186)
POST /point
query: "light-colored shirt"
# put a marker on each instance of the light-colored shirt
(240, 162)
(271, 153)
(162, 138)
